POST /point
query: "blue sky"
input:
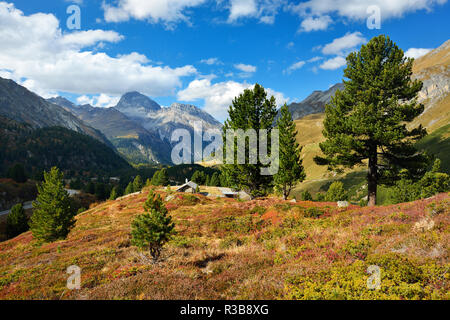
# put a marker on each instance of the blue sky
(202, 52)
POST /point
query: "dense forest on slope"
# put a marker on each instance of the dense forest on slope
(40, 149)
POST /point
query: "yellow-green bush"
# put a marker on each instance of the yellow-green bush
(401, 278)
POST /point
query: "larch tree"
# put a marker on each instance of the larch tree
(367, 120)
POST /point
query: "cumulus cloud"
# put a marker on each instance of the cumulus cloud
(343, 45)
(219, 96)
(357, 9)
(99, 101)
(314, 24)
(245, 67)
(416, 52)
(334, 63)
(33, 47)
(263, 10)
(168, 12)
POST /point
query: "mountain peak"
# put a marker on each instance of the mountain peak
(137, 101)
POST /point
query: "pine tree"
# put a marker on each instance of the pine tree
(367, 120)
(129, 189)
(215, 180)
(151, 230)
(114, 193)
(155, 178)
(290, 163)
(163, 177)
(53, 216)
(208, 180)
(138, 184)
(199, 177)
(251, 110)
(16, 222)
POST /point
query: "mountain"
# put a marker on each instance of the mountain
(433, 69)
(20, 104)
(178, 116)
(138, 127)
(314, 103)
(135, 143)
(135, 104)
(42, 148)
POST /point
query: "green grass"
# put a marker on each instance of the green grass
(438, 144)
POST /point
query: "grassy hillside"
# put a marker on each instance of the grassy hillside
(228, 249)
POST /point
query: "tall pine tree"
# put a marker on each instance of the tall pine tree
(291, 170)
(367, 120)
(52, 216)
(251, 110)
(16, 221)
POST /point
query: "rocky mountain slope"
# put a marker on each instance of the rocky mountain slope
(139, 128)
(134, 142)
(434, 70)
(314, 103)
(20, 104)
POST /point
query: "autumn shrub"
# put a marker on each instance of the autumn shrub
(401, 278)
(357, 249)
(313, 212)
(231, 241)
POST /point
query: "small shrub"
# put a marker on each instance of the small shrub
(230, 241)
(336, 192)
(306, 196)
(313, 212)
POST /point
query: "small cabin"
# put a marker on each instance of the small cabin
(188, 187)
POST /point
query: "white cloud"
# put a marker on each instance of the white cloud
(263, 10)
(295, 66)
(334, 63)
(100, 101)
(34, 48)
(357, 9)
(315, 24)
(219, 96)
(211, 61)
(245, 68)
(341, 46)
(168, 12)
(416, 52)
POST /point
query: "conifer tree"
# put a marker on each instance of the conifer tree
(114, 193)
(250, 110)
(129, 189)
(367, 120)
(163, 177)
(16, 222)
(291, 170)
(155, 178)
(53, 216)
(215, 180)
(151, 230)
(138, 184)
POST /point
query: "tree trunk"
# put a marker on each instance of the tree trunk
(372, 177)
